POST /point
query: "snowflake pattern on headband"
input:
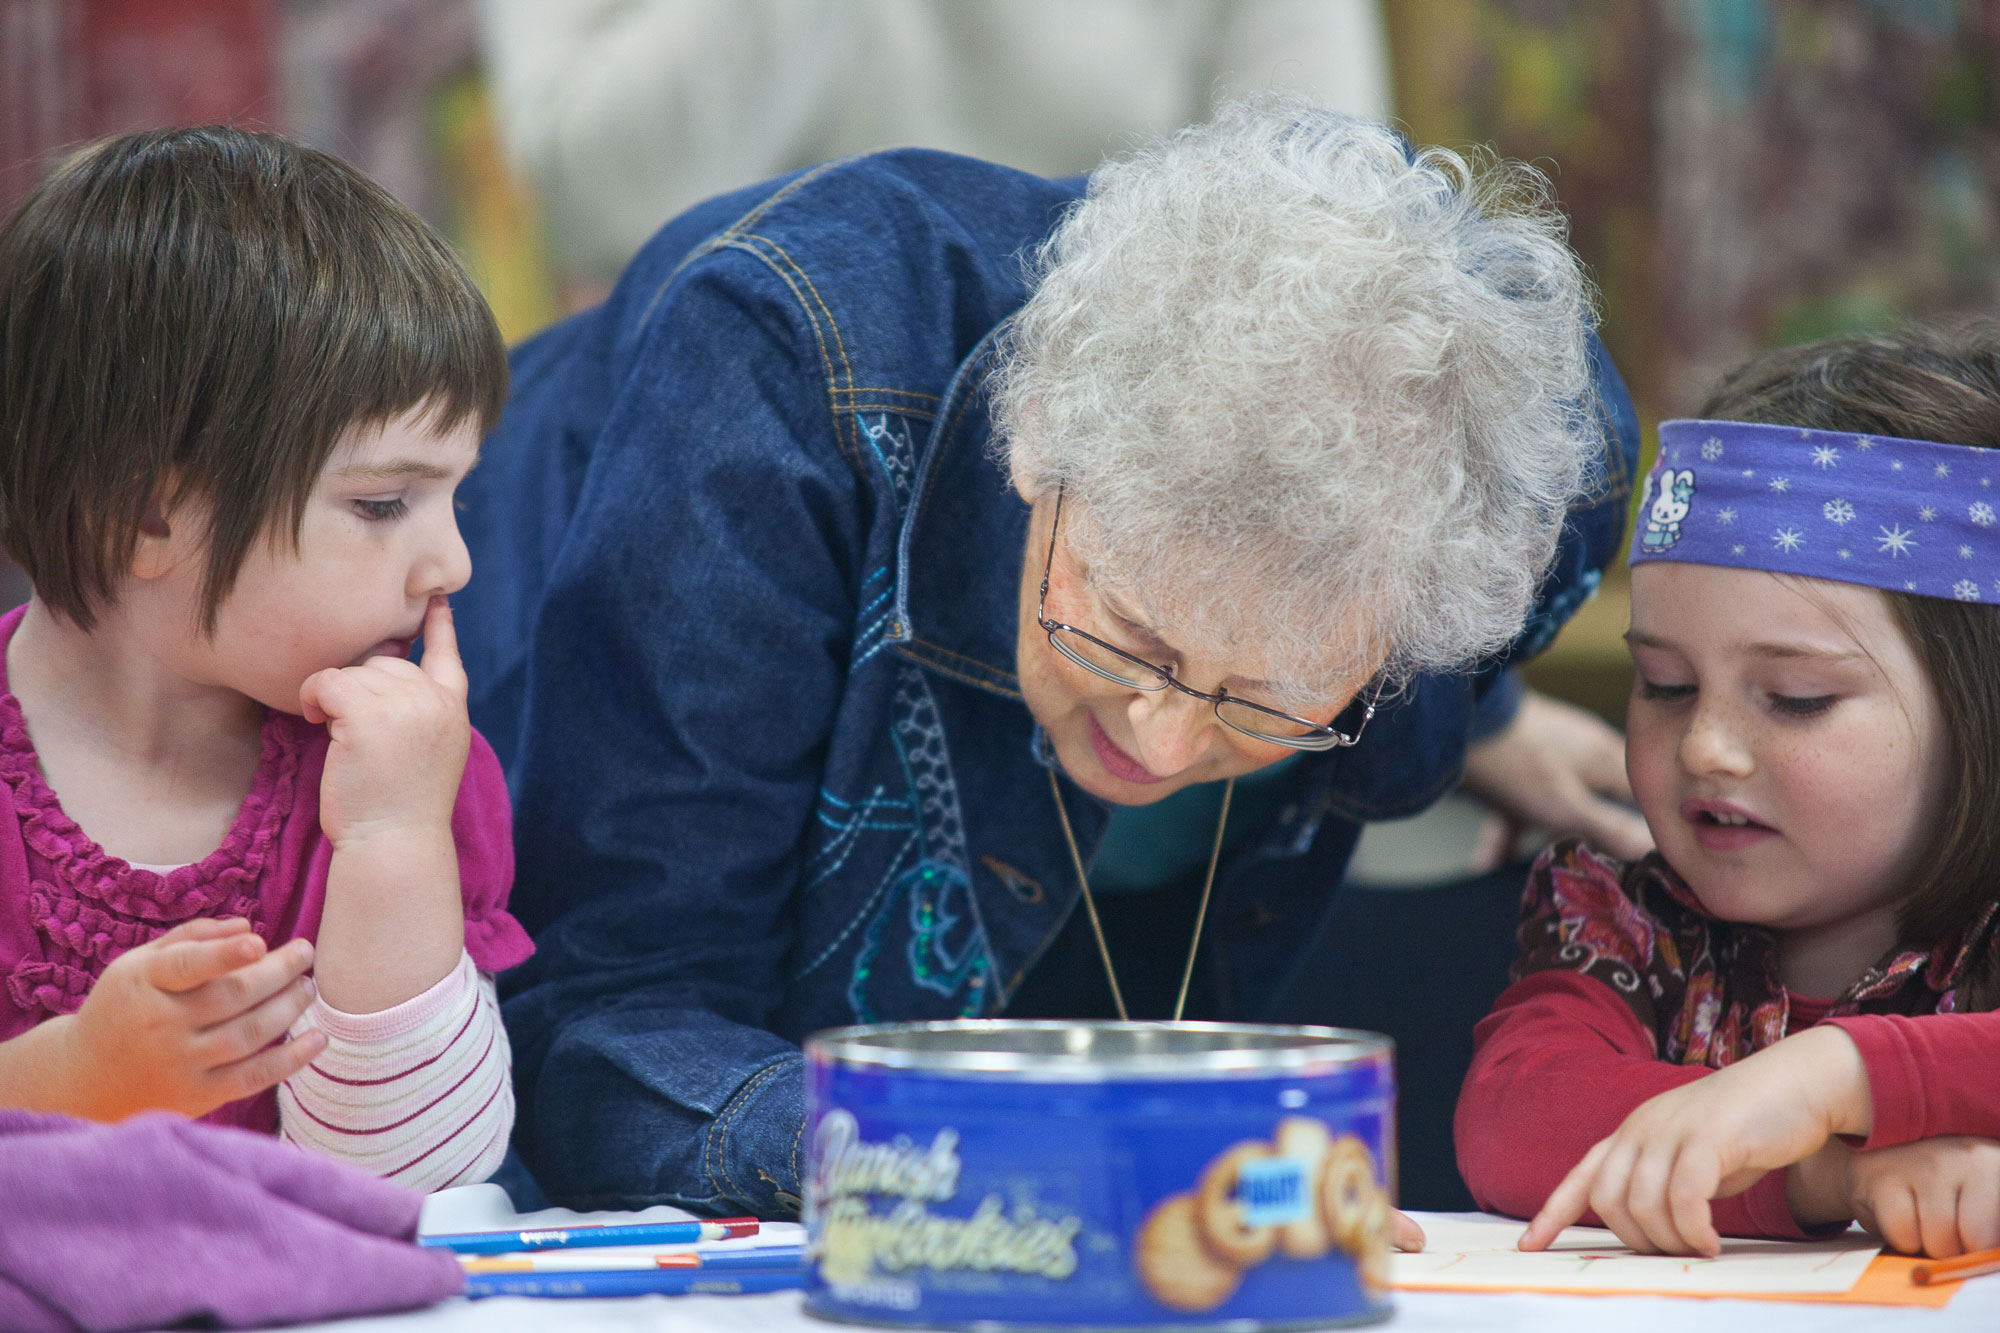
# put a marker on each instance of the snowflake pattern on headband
(1902, 515)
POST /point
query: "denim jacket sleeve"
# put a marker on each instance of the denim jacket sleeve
(715, 540)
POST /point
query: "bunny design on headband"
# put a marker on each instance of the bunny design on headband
(1666, 508)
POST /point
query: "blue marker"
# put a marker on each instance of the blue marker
(569, 1238)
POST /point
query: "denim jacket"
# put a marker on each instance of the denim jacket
(743, 634)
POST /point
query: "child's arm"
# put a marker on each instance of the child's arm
(419, 1094)
(1886, 1080)
(1559, 1065)
(414, 1084)
(182, 1023)
(1928, 1075)
(1654, 1179)
(394, 922)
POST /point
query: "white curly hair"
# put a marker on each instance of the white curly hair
(1294, 378)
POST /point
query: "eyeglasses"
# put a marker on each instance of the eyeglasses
(1115, 664)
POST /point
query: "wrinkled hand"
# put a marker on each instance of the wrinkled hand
(1938, 1197)
(186, 1023)
(1651, 1181)
(1558, 768)
(399, 738)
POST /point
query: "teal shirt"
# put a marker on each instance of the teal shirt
(1150, 846)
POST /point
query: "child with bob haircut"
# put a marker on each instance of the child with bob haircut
(1784, 1018)
(238, 386)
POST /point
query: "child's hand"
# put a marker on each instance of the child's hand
(1651, 1181)
(1938, 1197)
(400, 737)
(185, 1023)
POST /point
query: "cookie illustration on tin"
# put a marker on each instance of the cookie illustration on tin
(1176, 1265)
(1346, 1189)
(1305, 1141)
(1222, 1217)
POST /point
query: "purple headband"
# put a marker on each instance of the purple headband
(1902, 515)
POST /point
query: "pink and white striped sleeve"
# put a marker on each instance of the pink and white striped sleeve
(420, 1094)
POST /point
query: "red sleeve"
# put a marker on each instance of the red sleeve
(482, 825)
(1929, 1075)
(1558, 1065)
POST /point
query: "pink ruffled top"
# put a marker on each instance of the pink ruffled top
(68, 907)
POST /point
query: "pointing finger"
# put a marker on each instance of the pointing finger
(1567, 1203)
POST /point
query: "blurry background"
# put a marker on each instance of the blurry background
(1739, 173)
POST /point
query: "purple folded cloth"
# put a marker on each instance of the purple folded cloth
(160, 1220)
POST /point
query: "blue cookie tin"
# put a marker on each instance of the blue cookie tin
(1099, 1175)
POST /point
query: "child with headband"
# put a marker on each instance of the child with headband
(1783, 1019)
(238, 386)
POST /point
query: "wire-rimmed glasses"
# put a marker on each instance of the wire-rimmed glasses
(1115, 664)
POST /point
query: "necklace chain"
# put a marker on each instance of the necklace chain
(1097, 925)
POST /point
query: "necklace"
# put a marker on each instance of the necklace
(1097, 926)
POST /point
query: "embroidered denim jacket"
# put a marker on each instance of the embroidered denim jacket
(743, 634)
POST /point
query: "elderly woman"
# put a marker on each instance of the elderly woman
(925, 590)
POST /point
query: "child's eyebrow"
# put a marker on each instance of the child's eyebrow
(402, 469)
(1800, 650)
(1781, 651)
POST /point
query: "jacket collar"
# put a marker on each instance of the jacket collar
(964, 536)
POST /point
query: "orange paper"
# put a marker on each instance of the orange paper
(1886, 1281)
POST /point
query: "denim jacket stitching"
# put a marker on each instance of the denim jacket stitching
(866, 910)
(839, 343)
(852, 455)
(723, 237)
(900, 409)
(898, 393)
(908, 651)
(723, 1119)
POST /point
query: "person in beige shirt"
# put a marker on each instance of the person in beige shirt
(625, 112)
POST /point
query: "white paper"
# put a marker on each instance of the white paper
(1466, 1250)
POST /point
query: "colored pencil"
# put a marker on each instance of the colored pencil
(768, 1258)
(1954, 1270)
(660, 1282)
(572, 1238)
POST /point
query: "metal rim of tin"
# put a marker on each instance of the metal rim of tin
(1095, 1050)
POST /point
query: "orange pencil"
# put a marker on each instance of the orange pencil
(1954, 1270)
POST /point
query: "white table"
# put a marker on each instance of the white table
(1975, 1307)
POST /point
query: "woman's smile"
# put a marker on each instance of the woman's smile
(1116, 762)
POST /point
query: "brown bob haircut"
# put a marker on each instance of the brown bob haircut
(196, 317)
(1941, 382)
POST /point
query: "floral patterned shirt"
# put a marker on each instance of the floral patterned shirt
(1626, 988)
(1708, 990)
